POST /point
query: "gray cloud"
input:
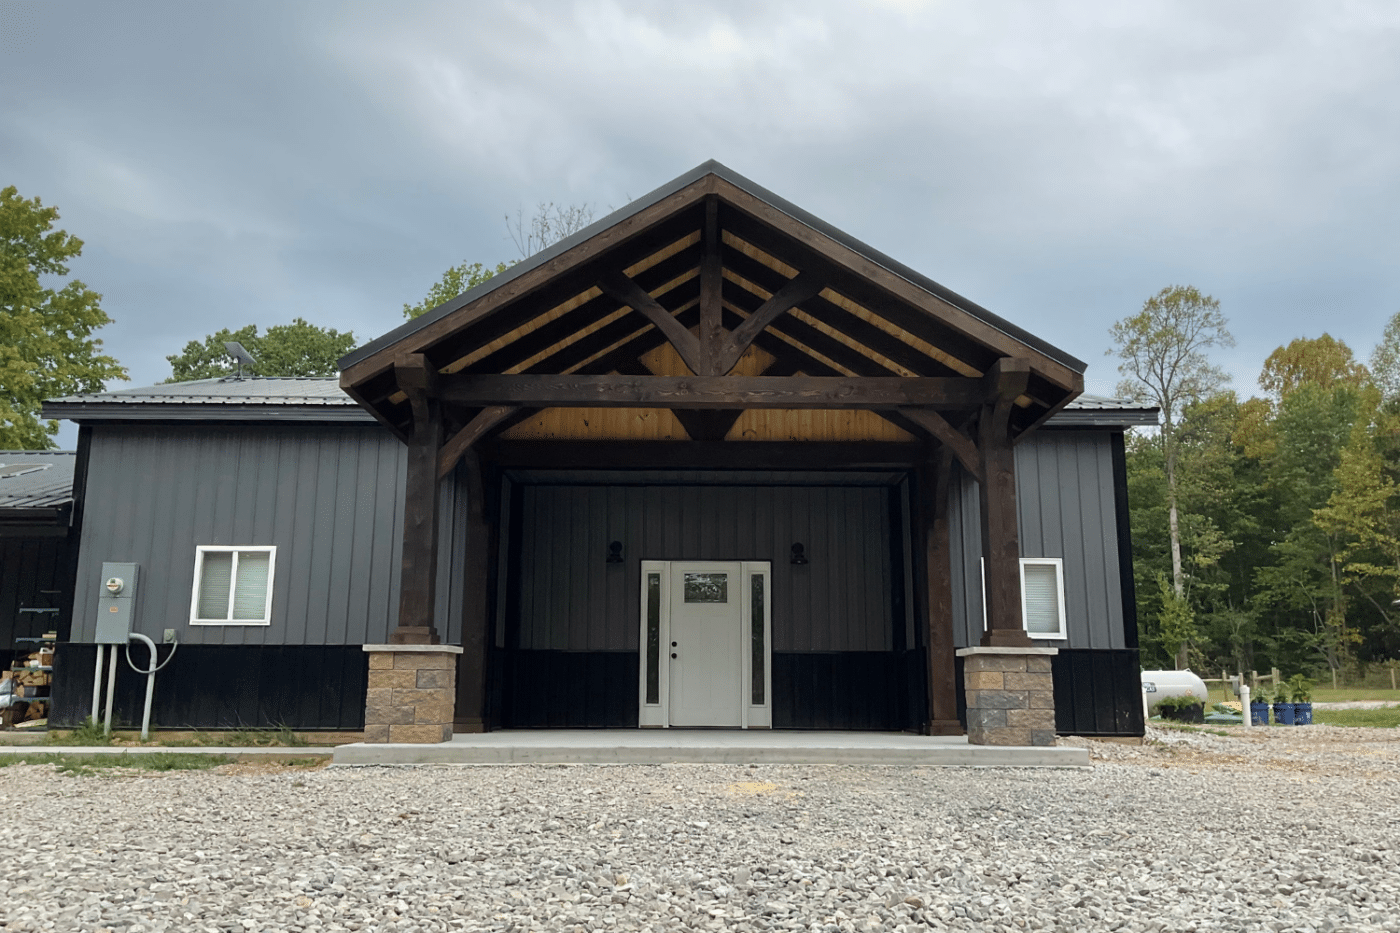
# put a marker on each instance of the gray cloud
(1056, 162)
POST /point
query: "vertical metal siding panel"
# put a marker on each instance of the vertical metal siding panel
(300, 466)
(971, 568)
(356, 626)
(1072, 530)
(335, 586)
(622, 523)
(168, 554)
(250, 464)
(564, 580)
(92, 541)
(691, 520)
(392, 489)
(879, 587)
(529, 590)
(1112, 578)
(201, 451)
(1100, 578)
(1029, 499)
(766, 540)
(578, 564)
(824, 606)
(590, 564)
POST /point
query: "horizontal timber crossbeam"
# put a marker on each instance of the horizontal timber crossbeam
(873, 392)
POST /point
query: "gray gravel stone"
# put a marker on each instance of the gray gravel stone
(1269, 829)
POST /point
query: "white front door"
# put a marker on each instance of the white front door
(706, 644)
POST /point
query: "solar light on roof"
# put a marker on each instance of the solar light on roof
(239, 355)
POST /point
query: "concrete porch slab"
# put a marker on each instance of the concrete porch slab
(709, 746)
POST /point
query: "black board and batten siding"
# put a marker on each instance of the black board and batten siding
(329, 497)
(574, 631)
(35, 573)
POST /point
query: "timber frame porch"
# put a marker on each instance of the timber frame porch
(712, 301)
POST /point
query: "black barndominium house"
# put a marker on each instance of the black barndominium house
(708, 462)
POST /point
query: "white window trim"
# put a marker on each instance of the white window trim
(201, 550)
(1059, 564)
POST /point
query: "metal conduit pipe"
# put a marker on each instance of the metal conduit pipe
(150, 677)
(97, 683)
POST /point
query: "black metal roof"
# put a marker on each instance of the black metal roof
(763, 194)
(320, 398)
(32, 481)
(253, 398)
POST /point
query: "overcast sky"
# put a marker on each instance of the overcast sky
(1057, 163)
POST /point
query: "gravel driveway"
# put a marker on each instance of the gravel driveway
(1265, 830)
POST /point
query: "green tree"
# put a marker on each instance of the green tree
(1162, 353)
(46, 343)
(1385, 361)
(1320, 361)
(454, 282)
(295, 349)
(548, 225)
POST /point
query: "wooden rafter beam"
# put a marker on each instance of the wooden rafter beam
(471, 432)
(957, 443)
(712, 333)
(802, 288)
(712, 392)
(620, 288)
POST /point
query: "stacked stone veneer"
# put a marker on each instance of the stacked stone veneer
(412, 693)
(1010, 695)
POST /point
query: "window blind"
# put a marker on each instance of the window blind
(215, 575)
(250, 590)
(1042, 595)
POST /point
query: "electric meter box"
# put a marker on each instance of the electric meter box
(116, 602)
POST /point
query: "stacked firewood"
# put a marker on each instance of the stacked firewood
(25, 689)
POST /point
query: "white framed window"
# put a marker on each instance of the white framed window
(1042, 597)
(232, 585)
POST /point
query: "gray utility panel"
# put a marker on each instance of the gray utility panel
(116, 604)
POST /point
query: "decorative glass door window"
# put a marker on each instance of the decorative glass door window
(707, 587)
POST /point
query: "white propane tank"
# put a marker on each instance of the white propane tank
(1158, 685)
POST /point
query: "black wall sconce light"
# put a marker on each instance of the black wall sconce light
(798, 557)
(615, 552)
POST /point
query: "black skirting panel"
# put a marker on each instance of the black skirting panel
(568, 689)
(1098, 692)
(848, 690)
(223, 687)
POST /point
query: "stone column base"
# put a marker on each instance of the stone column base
(411, 694)
(1010, 695)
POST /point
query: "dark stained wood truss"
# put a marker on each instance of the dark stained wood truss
(717, 273)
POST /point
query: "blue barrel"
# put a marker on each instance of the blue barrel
(1283, 714)
(1302, 714)
(1259, 714)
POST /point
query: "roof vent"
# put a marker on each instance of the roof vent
(19, 469)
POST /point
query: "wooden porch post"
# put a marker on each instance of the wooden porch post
(1001, 548)
(418, 574)
(471, 668)
(933, 538)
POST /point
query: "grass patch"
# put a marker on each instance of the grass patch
(1183, 727)
(1388, 718)
(89, 733)
(1354, 694)
(281, 737)
(97, 764)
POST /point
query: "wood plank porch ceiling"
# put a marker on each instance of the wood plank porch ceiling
(713, 270)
